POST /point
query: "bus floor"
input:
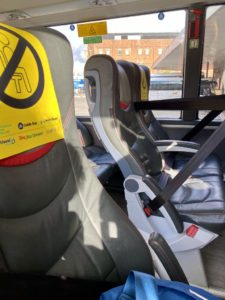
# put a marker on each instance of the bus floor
(214, 262)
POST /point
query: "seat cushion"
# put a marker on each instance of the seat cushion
(103, 171)
(103, 165)
(99, 155)
(210, 166)
(84, 134)
(201, 201)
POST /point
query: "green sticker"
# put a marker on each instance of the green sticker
(193, 43)
(92, 39)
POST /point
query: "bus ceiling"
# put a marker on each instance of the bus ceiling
(26, 13)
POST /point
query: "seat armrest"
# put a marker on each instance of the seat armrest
(177, 146)
(136, 185)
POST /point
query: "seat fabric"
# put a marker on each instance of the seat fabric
(201, 198)
(210, 166)
(55, 216)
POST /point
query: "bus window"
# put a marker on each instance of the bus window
(213, 65)
(141, 39)
(165, 87)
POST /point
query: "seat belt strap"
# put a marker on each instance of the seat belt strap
(198, 103)
(204, 122)
(214, 140)
(214, 103)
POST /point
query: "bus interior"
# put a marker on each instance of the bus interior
(111, 145)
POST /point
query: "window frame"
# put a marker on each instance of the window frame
(192, 64)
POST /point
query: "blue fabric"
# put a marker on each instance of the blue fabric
(140, 286)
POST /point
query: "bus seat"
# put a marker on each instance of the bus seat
(56, 218)
(101, 161)
(176, 152)
(200, 200)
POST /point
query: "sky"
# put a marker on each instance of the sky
(172, 22)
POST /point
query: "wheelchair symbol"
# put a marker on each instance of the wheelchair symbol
(12, 71)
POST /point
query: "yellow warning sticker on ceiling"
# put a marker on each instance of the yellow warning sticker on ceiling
(144, 86)
(91, 29)
(29, 112)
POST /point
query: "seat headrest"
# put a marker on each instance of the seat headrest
(134, 77)
(31, 101)
(139, 79)
(108, 83)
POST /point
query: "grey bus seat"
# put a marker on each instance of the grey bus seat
(200, 199)
(101, 161)
(175, 159)
(56, 218)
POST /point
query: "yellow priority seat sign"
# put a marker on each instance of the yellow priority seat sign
(92, 29)
(29, 112)
(144, 86)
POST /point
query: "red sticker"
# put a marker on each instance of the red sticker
(192, 230)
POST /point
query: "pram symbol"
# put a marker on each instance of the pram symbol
(10, 64)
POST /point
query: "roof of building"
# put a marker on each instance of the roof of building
(143, 36)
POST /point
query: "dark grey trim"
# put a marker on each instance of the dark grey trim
(167, 258)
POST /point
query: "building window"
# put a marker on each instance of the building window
(117, 37)
(139, 51)
(127, 51)
(134, 37)
(119, 51)
(107, 51)
(147, 51)
(160, 51)
(100, 51)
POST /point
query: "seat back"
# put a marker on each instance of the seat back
(110, 100)
(108, 91)
(141, 93)
(55, 217)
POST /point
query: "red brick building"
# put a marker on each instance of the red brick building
(139, 48)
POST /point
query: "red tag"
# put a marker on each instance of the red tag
(147, 211)
(124, 105)
(192, 230)
(194, 26)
